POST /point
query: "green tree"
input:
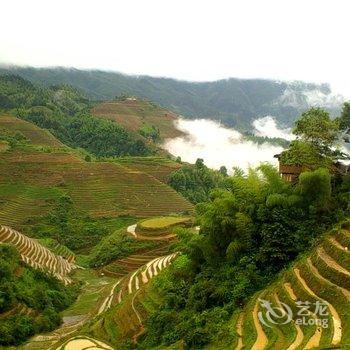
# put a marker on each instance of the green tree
(316, 126)
(316, 135)
(223, 170)
(344, 121)
(195, 182)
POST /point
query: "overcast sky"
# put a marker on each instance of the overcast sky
(185, 39)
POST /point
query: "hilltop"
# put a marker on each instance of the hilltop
(138, 115)
(236, 102)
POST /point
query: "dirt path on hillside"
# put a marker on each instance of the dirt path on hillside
(108, 301)
(239, 330)
(331, 262)
(261, 339)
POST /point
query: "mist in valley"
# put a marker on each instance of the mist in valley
(219, 145)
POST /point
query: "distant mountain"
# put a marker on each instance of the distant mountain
(236, 102)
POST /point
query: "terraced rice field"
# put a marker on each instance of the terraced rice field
(162, 223)
(34, 134)
(122, 313)
(106, 189)
(84, 343)
(4, 146)
(23, 156)
(99, 297)
(58, 249)
(322, 281)
(133, 114)
(142, 275)
(107, 296)
(37, 256)
(121, 267)
(158, 167)
(151, 235)
(123, 310)
(99, 189)
(95, 290)
(19, 203)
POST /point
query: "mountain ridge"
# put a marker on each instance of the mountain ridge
(233, 101)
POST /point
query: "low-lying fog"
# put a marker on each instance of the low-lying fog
(219, 145)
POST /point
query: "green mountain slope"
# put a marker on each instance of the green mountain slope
(234, 101)
(35, 173)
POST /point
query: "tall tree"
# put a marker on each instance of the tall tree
(317, 135)
(344, 121)
(316, 127)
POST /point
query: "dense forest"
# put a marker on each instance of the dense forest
(250, 230)
(64, 111)
(195, 182)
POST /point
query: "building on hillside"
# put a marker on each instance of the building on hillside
(291, 173)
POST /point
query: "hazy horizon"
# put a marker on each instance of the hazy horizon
(10, 65)
(192, 41)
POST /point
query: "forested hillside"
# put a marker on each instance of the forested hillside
(235, 101)
(65, 112)
(252, 228)
(30, 300)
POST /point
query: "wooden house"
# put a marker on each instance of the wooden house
(291, 173)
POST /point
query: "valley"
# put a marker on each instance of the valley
(108, 241)
(174, 175)
(106, 292)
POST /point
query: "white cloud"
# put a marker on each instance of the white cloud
(218, 146)
(267, 127)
